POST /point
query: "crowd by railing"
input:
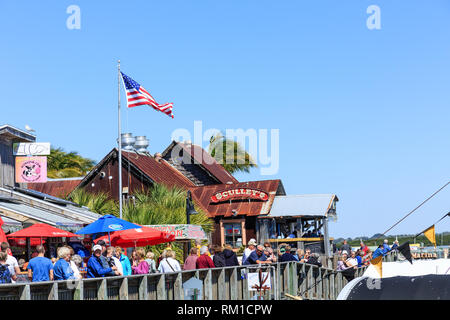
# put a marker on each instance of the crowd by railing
(229, 283)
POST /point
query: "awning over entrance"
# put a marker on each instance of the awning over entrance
(309, 205)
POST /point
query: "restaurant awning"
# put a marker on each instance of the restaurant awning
(308, 205)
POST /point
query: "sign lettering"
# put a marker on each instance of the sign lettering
(241, 193)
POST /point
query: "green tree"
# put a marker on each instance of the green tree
(61, 164)
(230, 154)
(96, 202)
(163, 205)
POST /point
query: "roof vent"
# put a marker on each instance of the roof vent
(141, 144)
(128, 141)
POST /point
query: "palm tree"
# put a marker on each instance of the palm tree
(230, 154)
(96, 202)
(63, 164)
(163, 205)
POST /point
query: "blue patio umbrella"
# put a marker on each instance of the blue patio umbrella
(108, 223)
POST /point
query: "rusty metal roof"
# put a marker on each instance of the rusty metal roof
(159, 172)
(204, 160)
(57, 187)
(202, 197)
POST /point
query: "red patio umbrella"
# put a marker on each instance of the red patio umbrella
(2, 233)
(22, 242)
(141, 237)
(41, 230)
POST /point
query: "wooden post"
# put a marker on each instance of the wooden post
(221, 285)
(79, 291)
(294, 279)
(319, 285)
(178, 287)
(326, 239)
(310, 283)
(208, 285)
(102, 292)
(143, 291)
(332, 287)
(233, 284)
(25, 292)
(53, 294)
(161, 288)
(123, 290)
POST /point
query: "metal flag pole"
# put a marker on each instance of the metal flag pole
(119, 141)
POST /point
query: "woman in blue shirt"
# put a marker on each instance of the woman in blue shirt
(62, 269)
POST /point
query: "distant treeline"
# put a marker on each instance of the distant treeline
(441, 239)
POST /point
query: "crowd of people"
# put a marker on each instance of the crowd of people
(106, 261)
(350, 259)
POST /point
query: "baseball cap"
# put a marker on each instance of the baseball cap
(345, 252)
(97, 247)
(252, 242)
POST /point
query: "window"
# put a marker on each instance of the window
(233, 234)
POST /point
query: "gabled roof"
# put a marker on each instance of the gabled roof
(16, 135)
(319, 205)
(202, 197)
(56, 187)
(204, 160)
(153, 170)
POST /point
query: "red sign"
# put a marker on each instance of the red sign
(240, 193)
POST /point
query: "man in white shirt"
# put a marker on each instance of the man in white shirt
(250, 248)
(13, 266)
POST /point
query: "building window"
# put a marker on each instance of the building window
(233, 234)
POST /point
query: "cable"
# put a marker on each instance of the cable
(440, 189)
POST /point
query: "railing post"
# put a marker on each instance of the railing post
(178, 287)
(310, 283)
(294, 278)
(123, 290)
(221, 285)
(25, 292)
(286, 277)
(79, 290)
(332, 286)
(53, 294)
(143, 291)
(208, 285)
(233, 284)
(161, 288)
(102, 292)
(320, 284)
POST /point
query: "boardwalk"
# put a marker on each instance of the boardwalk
(230, 283)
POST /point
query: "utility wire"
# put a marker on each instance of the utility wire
(440, 189)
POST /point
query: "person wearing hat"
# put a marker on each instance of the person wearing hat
(250, 248)
(94, 266)
(286, 254)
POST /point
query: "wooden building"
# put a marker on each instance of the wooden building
(8, 136)
(240, 210)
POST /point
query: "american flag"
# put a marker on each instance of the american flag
(138, 96)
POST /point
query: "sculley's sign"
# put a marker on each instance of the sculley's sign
(240, 193)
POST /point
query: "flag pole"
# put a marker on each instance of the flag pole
(119, 141)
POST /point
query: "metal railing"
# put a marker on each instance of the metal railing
(229, 283)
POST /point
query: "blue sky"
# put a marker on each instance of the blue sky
(362, 113)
